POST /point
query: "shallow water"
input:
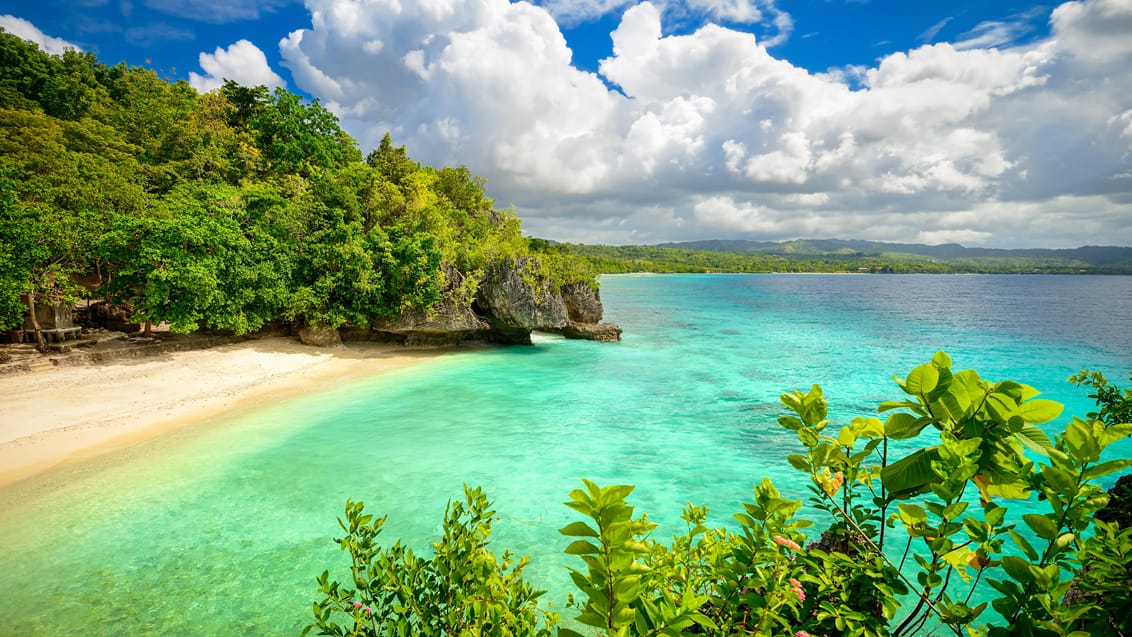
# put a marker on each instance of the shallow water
(221, 528)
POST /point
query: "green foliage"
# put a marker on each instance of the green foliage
(708, 257)
(912, 537)
(1114, 404)
(228, 210)
(463, 589)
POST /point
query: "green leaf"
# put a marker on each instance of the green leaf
(900, 426)
(1106, 468)
(941, 360)
(1035, 439)
(921, 380)
(581, 547)
(1043, 526)
(1023, 544)
(798, 461)
(911, 473)
(1114, 433)
(912, 513)
(578, 529)
(1017, 568)
(1040, 410)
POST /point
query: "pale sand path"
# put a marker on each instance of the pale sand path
(65, 414)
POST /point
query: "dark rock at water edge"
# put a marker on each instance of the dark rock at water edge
(604, 332)
(511, 303)
(583, 303)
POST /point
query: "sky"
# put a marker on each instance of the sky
(992, 123)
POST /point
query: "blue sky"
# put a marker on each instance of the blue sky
(995, 123)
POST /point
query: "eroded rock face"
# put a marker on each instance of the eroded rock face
(513, 306)
(319, 336)
(583, 303)
(604, 332)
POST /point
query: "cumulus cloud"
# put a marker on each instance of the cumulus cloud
(242, 62)
(709, 134)
(28, 31)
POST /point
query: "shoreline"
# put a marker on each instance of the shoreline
(61, 416)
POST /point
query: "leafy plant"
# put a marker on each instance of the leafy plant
(463, 589)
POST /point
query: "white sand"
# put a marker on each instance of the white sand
(65, 414)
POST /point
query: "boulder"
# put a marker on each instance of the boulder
(513, 305)
(604, 332)
(583, 303)
(319, 336)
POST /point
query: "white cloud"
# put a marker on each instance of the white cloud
(709, 133)
(28, 31)
(242, 62)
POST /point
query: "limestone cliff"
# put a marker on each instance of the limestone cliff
(510, 302)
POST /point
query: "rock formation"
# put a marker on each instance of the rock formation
(584, 310)
(514, 305)
(319, 336)
(509, 304)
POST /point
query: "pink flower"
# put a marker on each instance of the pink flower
(369, 611)
(796, 586)
(787, 542)
(801, 633)
(357, 604)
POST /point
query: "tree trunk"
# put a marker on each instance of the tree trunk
(148, 331)
(40, 343)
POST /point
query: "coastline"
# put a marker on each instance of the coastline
(59, 416)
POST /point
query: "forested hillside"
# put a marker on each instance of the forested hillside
(227, 210)
(850, 256)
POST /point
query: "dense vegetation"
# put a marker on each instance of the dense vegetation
(849, 256)
(227, 210)
(917, 529)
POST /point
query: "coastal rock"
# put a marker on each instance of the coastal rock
(319, 336)
(513, 305)
(1119, 507)
(583, 303)
(604, 332)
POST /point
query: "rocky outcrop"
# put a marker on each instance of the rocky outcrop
(583, 303)
(447, 322)
(604, 332)
(513, 304)
(319, 336)
(510, 302)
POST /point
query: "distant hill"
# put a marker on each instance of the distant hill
(1103, 257)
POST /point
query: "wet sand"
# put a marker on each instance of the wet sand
(61, 415)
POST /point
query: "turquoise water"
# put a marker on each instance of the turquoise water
(221, 528)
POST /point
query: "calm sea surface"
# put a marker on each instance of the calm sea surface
(221, 528)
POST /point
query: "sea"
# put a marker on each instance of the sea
(221, 528)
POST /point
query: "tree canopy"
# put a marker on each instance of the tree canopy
(226, 210)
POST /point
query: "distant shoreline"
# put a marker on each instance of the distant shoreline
(59, 416)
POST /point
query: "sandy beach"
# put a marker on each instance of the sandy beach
(66, 414)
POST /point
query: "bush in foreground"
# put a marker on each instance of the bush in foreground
(912, 538)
